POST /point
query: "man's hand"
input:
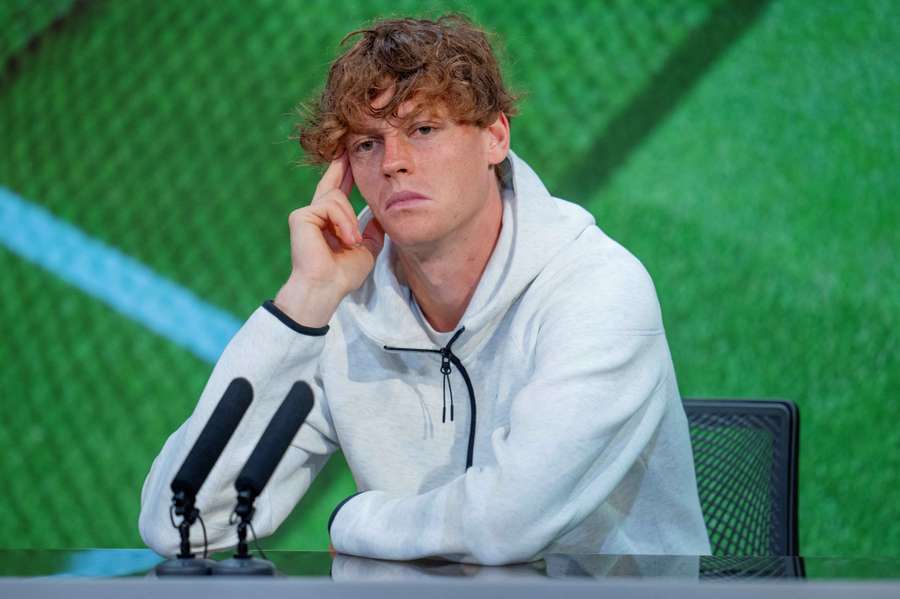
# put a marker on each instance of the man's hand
(329, 257)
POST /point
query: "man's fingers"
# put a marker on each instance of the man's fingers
(334, 243)
(329, 215)
(332, 194)
(333, 175)
(340, 200)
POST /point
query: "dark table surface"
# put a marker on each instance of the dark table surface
(98, 573)
(115, 563)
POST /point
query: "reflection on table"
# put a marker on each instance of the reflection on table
(112, 563)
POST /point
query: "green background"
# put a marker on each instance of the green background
(746, 151)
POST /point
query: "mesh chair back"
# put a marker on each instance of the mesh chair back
(745, 454)
(716, 567)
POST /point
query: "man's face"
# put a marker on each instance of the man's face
(426, 178)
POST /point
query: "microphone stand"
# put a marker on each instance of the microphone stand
(185, 563)
(244, 564)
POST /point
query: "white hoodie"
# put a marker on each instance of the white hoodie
(565, 434)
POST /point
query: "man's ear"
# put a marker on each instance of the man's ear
(498, 139)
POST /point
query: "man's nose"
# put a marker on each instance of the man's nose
(397, 156)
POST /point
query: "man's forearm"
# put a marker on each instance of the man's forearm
(258, 352)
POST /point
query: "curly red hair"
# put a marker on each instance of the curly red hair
(448, 60)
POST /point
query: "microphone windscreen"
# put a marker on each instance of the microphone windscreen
(213, 438)
(275, 440)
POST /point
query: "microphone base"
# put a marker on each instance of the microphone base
(244, 566)
(185, 567)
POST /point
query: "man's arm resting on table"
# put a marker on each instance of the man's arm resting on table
(574, 432)
(272, 354)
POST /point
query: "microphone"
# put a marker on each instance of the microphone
(196, 468)
(252, 479)
(213, 438)
(275, 440)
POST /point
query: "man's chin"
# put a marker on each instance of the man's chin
(413, 238)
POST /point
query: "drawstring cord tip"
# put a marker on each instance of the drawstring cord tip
(446, 354)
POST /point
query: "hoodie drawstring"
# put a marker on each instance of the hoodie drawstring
(445, 370)
(446, 359)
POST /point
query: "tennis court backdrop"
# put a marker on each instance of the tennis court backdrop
(746, 151)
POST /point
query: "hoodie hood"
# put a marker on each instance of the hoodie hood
(536, 226)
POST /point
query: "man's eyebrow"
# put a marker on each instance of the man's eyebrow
(425, 114)
(364, 131)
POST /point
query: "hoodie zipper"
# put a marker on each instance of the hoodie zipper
(448, 358)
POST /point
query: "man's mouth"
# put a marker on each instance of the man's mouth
(404, 199)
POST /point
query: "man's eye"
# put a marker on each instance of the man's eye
(424, 130)
(365, 146)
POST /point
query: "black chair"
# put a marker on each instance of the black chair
(746, 457)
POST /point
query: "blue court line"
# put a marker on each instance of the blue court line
(108, 562)
(114, 278)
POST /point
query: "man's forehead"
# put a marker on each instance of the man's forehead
(414, 108)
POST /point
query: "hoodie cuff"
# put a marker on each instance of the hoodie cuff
(338, 507)
(292, 324)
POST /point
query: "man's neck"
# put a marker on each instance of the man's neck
(443, 277)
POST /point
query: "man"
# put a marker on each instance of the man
(493, 366)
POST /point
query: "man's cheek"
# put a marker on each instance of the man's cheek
(369, 195)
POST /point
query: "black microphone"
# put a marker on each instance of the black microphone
(193, 472)
(275, 440)
(213, 438)
(256, 473)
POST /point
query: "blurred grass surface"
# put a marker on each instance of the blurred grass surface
(759, 191)
(22, 22)
(766, 209)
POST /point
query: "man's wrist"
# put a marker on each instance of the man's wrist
(305, 304)
(290, 323)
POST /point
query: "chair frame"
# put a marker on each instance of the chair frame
(785, 476)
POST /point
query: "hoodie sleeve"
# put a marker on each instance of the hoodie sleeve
(272, 354)
(594, 402)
